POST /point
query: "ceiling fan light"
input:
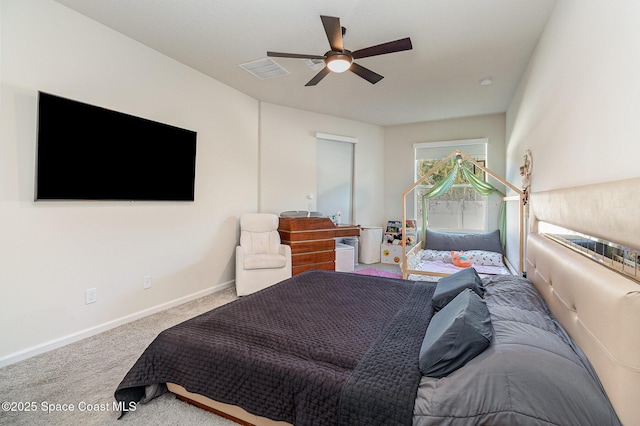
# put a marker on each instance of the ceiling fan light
(339, 62)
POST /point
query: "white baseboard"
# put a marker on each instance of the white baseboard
(83, 334)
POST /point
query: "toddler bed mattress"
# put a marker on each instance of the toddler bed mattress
(440, 262)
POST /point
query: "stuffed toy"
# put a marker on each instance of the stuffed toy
(459, 259)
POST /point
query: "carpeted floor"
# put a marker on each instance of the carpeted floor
(86, 373)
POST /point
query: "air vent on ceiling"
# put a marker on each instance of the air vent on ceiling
(264, 68)
(315, 64)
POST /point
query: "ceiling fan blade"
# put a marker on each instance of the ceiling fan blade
(365, 73)
(315, 80)
(293, 55)
(334, 32)
(381, 49)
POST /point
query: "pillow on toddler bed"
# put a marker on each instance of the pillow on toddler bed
(435, 255)
(446, 241)
(484, 258)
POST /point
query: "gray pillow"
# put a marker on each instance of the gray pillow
(461, 242)
(456, 335)
(449, 287)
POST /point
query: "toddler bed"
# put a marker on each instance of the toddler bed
(483, 252)
(420, 268)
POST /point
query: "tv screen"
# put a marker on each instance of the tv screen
(86, 152)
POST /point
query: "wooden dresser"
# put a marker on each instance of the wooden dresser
(312, 241)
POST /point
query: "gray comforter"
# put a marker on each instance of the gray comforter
(531, 374)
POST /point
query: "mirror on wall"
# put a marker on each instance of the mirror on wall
(620, 258)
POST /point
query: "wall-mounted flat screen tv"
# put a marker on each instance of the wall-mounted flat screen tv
(86, 152)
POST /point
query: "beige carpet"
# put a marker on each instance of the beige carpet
(86, 373)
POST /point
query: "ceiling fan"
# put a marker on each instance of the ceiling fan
(338, 59)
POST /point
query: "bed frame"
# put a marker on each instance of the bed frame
(599, 308)
(232, 412)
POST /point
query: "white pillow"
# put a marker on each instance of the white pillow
(433, 255)
(484, 258)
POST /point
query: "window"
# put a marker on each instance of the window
(461, 209)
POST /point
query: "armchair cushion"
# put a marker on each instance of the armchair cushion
(264, 261)
(259, 233)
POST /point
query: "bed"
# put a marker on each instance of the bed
(344, 349)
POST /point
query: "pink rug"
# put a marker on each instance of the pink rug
(378, 273)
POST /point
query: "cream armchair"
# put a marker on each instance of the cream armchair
(261, 260)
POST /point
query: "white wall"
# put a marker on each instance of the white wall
(288, 161)
(51, 252)
(578, 106)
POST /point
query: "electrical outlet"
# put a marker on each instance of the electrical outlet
(147, 281)
(91, 296)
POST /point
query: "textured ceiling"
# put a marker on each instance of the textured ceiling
(456, 43)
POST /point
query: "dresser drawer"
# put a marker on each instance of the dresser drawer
(315, 257)
(330, 266)
(311, 246)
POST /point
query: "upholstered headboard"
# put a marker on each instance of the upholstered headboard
(598, 307)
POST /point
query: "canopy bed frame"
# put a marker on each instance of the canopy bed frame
(460, 156)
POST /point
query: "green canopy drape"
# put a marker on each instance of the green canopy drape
(479, 185)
